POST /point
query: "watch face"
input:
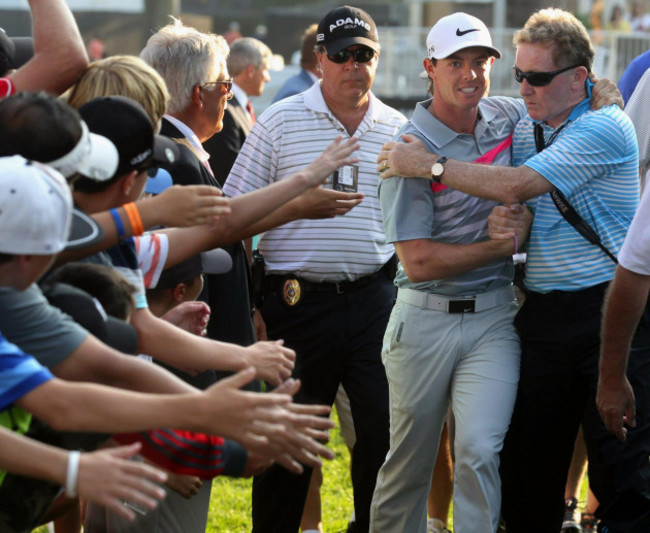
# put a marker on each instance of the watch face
(437, 169)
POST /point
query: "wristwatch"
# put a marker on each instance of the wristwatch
(438, 169)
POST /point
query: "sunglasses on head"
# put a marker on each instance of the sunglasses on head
(539, 79)
(360, 55)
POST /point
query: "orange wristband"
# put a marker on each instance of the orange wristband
(134, 218)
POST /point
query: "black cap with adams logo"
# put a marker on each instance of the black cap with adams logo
(346, 26)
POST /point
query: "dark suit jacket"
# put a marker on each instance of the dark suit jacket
(188, 170)
(224, 146)
(229, 294)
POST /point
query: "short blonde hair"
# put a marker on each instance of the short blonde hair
(562, 33)
(123, 75)
(184, 57)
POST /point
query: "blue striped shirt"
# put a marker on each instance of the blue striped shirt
(594, 162)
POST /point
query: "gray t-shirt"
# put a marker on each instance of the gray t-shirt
(31, 323)
(413, 209)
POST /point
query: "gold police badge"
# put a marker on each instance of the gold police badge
(291, 291)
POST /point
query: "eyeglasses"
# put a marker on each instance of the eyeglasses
(226, 87)
(360, 55)
(539, 79)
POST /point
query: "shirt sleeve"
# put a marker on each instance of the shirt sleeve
(19, 373)
(152, 250)
(30, 322)
(125, 260)
(636, 248)
(189, 453)
(638, 109)
(7, 87)
(407, 208)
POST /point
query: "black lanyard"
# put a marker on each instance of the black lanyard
(540, 143)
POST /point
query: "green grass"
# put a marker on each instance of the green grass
(230, 503)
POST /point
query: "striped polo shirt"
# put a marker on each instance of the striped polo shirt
(594, 162)
(286, 138)
(413, 209)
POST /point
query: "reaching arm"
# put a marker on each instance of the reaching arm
(624, 305)
(170, 344)
(59, 54)
(178, 206)
(264, 423)
(502, 184)
(95, 362)
(105, 477)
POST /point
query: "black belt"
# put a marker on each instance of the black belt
(277, 282)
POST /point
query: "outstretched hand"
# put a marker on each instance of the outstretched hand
(190, 205)
(190, 316)
(272, 360)
(107, 477)
(318, 202)
(267, 425)
(336, 155)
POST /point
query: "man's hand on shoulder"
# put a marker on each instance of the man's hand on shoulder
(604, 93)
(408, 159)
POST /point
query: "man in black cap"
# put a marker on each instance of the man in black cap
(55, 58)
(328, 288)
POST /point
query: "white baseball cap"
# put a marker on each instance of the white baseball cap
(94, 156)
(455, 32)
(35, 208)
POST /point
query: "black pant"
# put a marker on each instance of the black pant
(337, 339)
(560, 334)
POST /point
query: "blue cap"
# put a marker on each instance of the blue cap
(159, 182)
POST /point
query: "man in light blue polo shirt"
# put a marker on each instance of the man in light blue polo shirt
(591, 157)
(451, 338)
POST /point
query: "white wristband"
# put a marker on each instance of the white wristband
(71, 476)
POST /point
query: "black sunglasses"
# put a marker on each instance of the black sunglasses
(360, 55)
(539, 79)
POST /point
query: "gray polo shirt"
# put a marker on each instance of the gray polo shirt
(413, 210)
(31, 323)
